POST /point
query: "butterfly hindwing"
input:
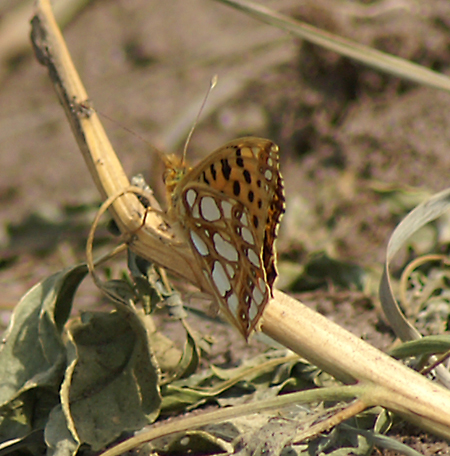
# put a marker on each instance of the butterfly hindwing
(224, 244)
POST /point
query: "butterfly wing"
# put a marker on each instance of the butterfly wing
(230, 207)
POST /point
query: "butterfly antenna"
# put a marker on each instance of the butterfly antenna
(162, 155)
(212, 84)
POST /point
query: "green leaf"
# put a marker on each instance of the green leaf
(111, 385)
(60, 441)
(428, 345)
(265, 374)
(32, 359)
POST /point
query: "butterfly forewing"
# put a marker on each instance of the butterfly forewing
(229, 207)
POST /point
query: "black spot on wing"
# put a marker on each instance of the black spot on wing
(247, 176)
(213, 171)
(236, 188)
(226, 168)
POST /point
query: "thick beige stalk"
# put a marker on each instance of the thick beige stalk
(350, 359)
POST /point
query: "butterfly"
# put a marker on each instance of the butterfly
(228, 208)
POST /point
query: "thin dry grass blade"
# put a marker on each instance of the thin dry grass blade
(378, 60)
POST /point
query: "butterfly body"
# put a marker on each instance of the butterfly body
(228, 208)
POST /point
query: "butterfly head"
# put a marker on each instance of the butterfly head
(176, 169)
